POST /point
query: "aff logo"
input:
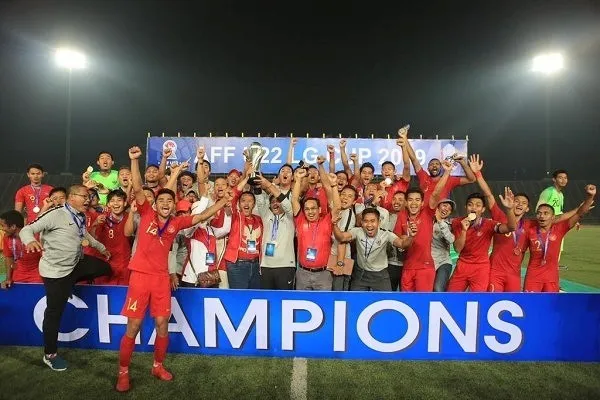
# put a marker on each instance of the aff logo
(171, 144)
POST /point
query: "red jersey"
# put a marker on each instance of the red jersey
(155, 240)
(91, 216)
(478, 241)
(111, 234)
(544, 249)
(314, 240)
(320, 194)
(418, 255)
(26, 263)
(397, 186)
(508, 252)
(427, 184)
(31, 197)
(245, 236)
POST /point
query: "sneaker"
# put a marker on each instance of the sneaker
(161, 373)
(55, 363)
(123, 381)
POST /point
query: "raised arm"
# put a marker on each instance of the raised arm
(212, 210)
(476, 165)
(508, 201)
(405, 162)
(200, 176)
(324, 177)
(290, 154)
(459, 240)
(590, 194)
(299, 175)
(435, 195)
(403, 133)
(333, 196)
(162, 168)
(136, 177)
(341, 236)
(405, 241)
(344, 157)
(129, 227)
(175, 171)
(331, 153)
(469, 175)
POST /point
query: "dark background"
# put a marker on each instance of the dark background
(446, 68)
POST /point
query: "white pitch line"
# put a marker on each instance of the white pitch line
(299, 375)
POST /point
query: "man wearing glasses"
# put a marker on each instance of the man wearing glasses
(64, 235)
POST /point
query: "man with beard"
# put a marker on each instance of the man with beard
(371, 272)
(149, 282)
(473, 236)
(313, 230)
(418, 274)
(31, 197)
(434, 167)
(106, 179)
(151, 177)
(440, 245)
(278, 261)
(395, 255)
(110, 232)
(63, 235)
(543, 238)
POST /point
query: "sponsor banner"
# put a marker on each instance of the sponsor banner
(226, 154)
(346, 325)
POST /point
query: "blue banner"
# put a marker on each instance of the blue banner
(226, 154)
(346, 325)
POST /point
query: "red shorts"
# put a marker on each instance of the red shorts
(476, 277)
(539, 286)
(26, 276)
(502, 281)
(417, 280)
(144, 289)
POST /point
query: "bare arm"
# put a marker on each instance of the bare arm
(411, 152)
(435, 195)
(128, 228)
(344, 157)
(331, 152)
(508, 201)
(136, 176)
(469, 175)
(585, 207)
(460, 239)
(290, 154)
(162, 168)
(210, 211)
(405, 164)
(340, 236)
(476, 165)
(299, 174)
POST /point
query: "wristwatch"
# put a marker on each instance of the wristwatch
(340, 263)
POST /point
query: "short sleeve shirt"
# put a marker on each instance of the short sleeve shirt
(371, 252)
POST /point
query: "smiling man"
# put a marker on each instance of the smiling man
(63, 236)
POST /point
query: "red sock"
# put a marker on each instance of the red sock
(126, 350)
(160, 348)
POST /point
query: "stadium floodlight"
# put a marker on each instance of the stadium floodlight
(548, 63)
(70, 59)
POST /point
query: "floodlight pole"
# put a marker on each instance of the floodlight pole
(68, 127)
(548, 165)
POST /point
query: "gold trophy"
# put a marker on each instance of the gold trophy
(254, 155)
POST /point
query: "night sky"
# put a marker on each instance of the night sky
(457, 68)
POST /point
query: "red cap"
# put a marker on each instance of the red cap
(183, 205)
(235, 171)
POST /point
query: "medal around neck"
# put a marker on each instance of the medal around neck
(472, 216)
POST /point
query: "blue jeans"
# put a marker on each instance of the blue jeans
(243, 274)
(442, 275)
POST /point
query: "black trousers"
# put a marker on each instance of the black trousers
(277, 278)
(58, 291)
(395, 272)
(363, 280)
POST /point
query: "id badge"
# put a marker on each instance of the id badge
(210, 258)
(251, 247)
(311, 254)
(270, 250)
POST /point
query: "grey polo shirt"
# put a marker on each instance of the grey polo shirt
(372, 252)
(61, 241)
(440, 244)
(279, 230)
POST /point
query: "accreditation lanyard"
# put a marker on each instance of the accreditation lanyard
(275, 228)
(111, 222)
(314, 234)
(14, 250)
(206, 240)
(368, 249)
(546, 242)
(80, 222)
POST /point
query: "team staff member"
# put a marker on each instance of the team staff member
(543, 238)
(395, 255)
(371, 273)
(278, 262)
(21, 266)
(63, 235)
(149, 282)
(440, 245)
(347, 220)
(31, 197)
(314, 234)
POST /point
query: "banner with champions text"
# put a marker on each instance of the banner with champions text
(226, 153)
(345, 325)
